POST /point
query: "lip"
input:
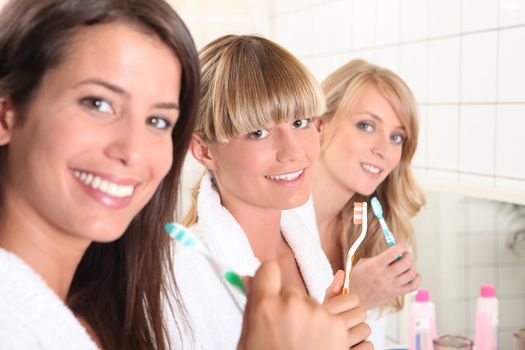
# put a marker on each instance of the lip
(289, 183)
(104, 198)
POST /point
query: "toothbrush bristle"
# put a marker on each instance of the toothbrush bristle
(358, 213)
(180, 234)
(376, 207)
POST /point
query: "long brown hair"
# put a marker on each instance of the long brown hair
(250, 83)
(399, 194)
(118, 287)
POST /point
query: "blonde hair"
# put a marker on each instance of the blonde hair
(399, 194)
(250, 83)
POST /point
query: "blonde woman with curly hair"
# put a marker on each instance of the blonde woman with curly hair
(255, 137)
(368, 139)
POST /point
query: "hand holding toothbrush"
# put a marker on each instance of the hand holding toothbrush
(381, 278)
(281, 317)
(348, 307)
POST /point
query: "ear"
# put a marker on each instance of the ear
(202, 152)
(320, 124)
(7, 120)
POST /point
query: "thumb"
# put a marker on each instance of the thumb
(266, 282)
(336, 288)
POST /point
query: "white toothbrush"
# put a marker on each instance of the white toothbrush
(360, 210)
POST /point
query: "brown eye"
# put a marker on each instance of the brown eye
(159, 122)
(259, 134)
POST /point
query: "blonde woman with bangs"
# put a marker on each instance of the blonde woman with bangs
(368, 139)
(255, 137)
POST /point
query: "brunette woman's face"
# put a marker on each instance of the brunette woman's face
(366, 145)
(270, 168)
(96, 138)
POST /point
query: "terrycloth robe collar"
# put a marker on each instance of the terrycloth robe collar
(229, 244)
(26, 302)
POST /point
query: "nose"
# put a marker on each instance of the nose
(128, 142)
(381, 146)
(289, 148)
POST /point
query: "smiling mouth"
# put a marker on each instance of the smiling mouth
(105, 186)
(371, 169)
(286, 177)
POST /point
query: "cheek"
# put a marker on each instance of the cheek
(161, 159)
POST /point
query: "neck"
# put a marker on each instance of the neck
(330, 195)
(52, 254)
(262, 226)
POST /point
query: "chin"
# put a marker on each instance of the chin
(291, 203)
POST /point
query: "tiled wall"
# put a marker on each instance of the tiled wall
(464, 61)
(463, 243)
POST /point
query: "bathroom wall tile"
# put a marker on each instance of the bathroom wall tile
(516, 187)
(420, 173)
(454, 319)
(482, 250)
(320, 66)
(511, 65)
(442, 126)
(510, 143)
(343, 18)
(413, 20)
(511, 281)
(479, 216)
(443, 176)
(388, 57)
(387, 22)
(444, 17)
(283, 5)
(463, 252)
(514, 311)
(303, 31)
(512, 12)
(413, 70)
(363, 28)
(477, 276)
(511, 248)
(443, 69)
(479, 15)
(479, 181)
(322, 31)
(282, 34)
(420, 158)
(477, 139)
(479, 53)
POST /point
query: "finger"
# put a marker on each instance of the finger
(341, 303)
(336, 287)
(399, 267)
(353, 317)
(358, 334)
(412, 285)
(266, 282)
(406, 277)
(390, 255)
(366, 345)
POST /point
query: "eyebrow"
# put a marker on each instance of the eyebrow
(375, 116)
(118, 90)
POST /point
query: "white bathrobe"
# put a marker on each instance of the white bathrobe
(215, 309)
(32, 316)
(375, 319)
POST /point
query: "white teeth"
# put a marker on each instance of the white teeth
(370, 168)
(286, 177)
(103, 185)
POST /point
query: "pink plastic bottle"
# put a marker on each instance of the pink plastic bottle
(486, 337)
(422, 322)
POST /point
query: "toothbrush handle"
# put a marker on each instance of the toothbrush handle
(348, 269)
